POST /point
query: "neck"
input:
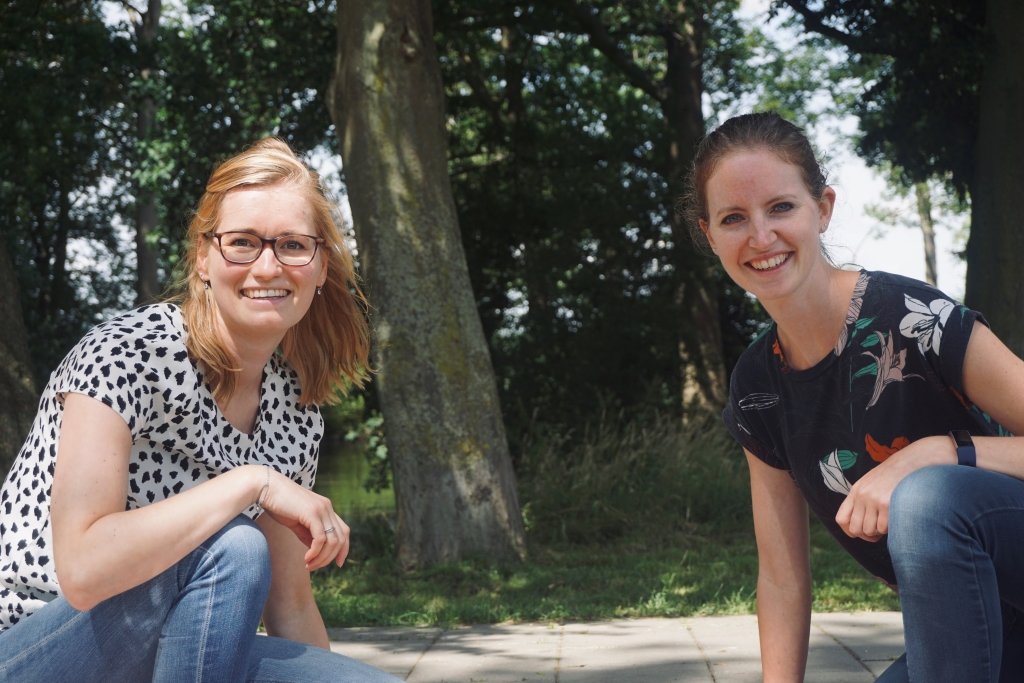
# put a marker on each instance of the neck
(810, 319)
(251, 356)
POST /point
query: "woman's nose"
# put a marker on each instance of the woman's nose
(266, 262)
(762, 235)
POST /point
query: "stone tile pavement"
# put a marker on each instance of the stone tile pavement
(844, 648)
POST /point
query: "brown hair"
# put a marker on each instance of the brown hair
(329, 345)
(749, 132)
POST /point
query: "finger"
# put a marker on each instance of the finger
(316, 548)
(843, 516)
(345, 536)
(869, 523)
(882, 526)
(331, 542)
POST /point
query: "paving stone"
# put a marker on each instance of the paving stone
(876, 638)
(635, 650)
(844, 648)
(393, 649)
(491, 654)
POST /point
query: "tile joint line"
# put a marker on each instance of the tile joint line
(423, 654)
(558, 661)
(848, 650)
(700, 648)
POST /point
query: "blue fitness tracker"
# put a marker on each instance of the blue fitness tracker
(965, 453)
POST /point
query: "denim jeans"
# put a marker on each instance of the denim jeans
(956, 536)
(195, 622)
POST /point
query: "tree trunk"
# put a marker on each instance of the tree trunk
(147, 286)
(924, 213)
(700, 334)
(452, 471)
(995, 281)
(17, 390)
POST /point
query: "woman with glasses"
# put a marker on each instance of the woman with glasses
(161, 505)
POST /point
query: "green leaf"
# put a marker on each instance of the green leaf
(863, 322)
(870, 341)
(867, 370)
(847, 459)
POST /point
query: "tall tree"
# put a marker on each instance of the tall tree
(146, 24)
(946, 83)
(452, 471)
(995, 281)
(17, 387)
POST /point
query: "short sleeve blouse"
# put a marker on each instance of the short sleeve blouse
(895, 376)
(138, 365)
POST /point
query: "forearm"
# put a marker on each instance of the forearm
(783, 622)
(124, 549)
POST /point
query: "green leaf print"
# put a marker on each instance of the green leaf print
(847, 459)
(863, 322)
(870, 341)
(866, 370)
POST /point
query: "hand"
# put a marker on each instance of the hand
(865, 512)
(308, 515)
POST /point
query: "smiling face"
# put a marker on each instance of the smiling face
(258, 302)
(764, 224)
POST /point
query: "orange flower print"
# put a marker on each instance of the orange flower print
(881, 453)
(777, 350)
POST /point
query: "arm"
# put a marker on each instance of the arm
(101, 550)
(993, 377)
(784, 573)
(290, 611)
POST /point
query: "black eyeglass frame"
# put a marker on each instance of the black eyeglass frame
(317, 241)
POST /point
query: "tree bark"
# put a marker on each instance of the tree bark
(452, 471)
(995, 281)
(679, 94)
(147, 286)
(17, 389)
(924, 214)
(700, 333)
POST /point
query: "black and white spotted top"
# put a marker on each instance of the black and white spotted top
(137, 364)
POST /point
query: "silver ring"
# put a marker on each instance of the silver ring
(327, 531)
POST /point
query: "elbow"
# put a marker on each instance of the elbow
(77, 589)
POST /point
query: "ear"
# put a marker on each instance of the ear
(323, 274)
(707, 233)
(826, 205)
(202, 252)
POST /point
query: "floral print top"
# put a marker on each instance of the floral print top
(895, 376)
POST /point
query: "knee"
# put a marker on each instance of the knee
(923, 509)
(241, 554)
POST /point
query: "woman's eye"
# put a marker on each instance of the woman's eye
(732, 218)
(293, 245)
(240, 242)
(782, 207)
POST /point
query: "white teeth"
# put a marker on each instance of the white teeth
(769, 263)
(264, 293)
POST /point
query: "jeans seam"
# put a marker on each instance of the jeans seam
(206, 620)
(27, 651)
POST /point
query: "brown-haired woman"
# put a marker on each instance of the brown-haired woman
(878, 402)
(134, 544)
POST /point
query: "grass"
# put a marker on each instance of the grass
(629, 521)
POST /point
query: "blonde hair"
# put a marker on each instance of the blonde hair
(329, 346)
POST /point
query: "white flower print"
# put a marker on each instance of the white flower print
(832, 473)
(888, 367)
(853, 312)
(926, 322)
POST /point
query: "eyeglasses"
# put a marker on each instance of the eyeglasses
(245, 247)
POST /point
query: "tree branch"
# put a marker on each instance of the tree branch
(600, 39)
(815, 21)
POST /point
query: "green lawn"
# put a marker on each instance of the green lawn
(707, 571)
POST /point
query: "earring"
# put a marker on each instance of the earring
(823, 228)
(319, 290)
(206, 284)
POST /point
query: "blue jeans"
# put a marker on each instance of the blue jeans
(956, 536)
(194, 622)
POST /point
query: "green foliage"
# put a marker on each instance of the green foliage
(63, 76)
(649, 478)
(363, 428)
(920, 64)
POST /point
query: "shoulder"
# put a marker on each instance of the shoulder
(150, 330)
(907, 293)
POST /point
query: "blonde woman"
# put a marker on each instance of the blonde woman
(161, 504)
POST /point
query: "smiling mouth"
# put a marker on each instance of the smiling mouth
(770, 263)
(264, 293)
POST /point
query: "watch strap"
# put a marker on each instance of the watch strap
(965, 450)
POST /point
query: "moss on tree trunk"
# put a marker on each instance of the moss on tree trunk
(453, 476)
